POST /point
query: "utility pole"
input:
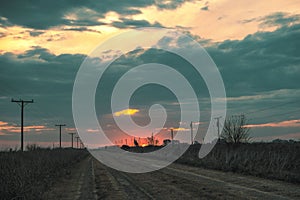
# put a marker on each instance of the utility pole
(77, 138)
(152, 139)
(72, 138)
(192, 134)
(218, 124)
(22, 103)
(192, 137)
(60, 125)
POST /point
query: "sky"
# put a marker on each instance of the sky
(42, 45)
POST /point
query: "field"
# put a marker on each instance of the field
(268, 160)
(27, 175)
(222, 174)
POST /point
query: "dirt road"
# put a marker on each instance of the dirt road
(92, 180)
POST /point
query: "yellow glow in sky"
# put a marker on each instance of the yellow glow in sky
(126, 112)
(224, 20)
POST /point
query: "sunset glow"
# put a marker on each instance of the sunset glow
(5, 128)
(126, 112)
(41, 51)
(288, 123)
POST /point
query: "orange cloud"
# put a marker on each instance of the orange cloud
(37, 128)
(3, 123)
(92, 130)
(181, 129)
(288, 123)
(5, 127)
(71, 129)
(126, 112)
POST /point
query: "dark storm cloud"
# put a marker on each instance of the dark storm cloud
(263, 61)
(262, 64)
(35, 33)
(259, 71)
(279, 18)
(205, 8)
(35, 14)
(275, 19)
(163, 4)
(129, 23)
(81, 29)
(45, 14)
(41, 75)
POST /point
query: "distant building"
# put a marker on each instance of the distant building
(166, 142)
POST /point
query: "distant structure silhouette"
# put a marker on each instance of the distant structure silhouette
(136, 143)
(166, 142)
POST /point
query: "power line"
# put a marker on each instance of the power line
(22, 103)
(280, 114)
(271, 107)
(60, 125)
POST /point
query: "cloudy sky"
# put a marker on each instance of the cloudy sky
(43, 43)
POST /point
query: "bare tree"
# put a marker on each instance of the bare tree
(236, 130)
(150, 140)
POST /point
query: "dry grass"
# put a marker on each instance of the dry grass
(26, 175)
(268, 160)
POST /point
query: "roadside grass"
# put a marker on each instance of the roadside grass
(269, 160)
(27, 175)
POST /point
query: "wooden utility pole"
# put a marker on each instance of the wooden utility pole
(192, 135)
(77, 139)
(22, 104)
(172, 135)
(152, 139)
(60, 125)
(218, 125)
(72, 136)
